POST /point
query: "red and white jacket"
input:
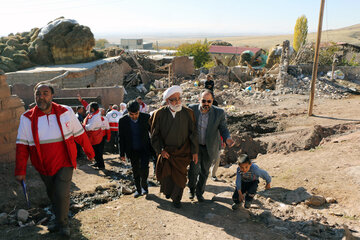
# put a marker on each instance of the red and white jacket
(49, 140)
(143, 108)
(106, 128)
(113, 117)
(92, 124)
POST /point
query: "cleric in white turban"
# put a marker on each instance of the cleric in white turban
(174, 137)
(171, 90)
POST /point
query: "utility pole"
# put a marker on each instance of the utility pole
(316, 60)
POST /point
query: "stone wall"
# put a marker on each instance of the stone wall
(11, 108)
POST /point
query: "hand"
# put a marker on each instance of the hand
(230, 142)
(107, 140)
(19, 178)
(91, 159)
(241, 196)
(165, 154)
(267, 186)
(195, 158)
(123, 159)
(79, 97)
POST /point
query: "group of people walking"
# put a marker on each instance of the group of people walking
(185, 140)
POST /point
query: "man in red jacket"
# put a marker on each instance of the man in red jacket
(48, 133)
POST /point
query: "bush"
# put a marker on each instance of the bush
(100, 43)
(300, 32)
(198, 50)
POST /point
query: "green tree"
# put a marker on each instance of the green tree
(100, 43)
(198, 50)
(300, 32)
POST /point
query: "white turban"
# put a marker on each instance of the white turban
(171, 90)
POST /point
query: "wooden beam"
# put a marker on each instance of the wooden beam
(316, 60)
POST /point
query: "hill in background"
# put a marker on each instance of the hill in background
(349, 34)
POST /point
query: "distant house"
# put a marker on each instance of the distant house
(136, 43)
(230, 55)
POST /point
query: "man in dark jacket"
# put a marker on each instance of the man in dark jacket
(134, 130)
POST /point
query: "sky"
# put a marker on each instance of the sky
(145, 18)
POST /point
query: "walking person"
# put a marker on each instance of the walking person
(174, 139)
(134, 131)
(210, 121)
(113, 117)
(93, 127)
(47, 133)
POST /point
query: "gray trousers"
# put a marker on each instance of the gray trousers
(58, 190)
(215, 165)
(198, 173)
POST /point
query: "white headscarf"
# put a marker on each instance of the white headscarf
(171, 90)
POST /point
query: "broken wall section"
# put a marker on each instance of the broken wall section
(11, 108)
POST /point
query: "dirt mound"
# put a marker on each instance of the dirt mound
(244, 143)
(305, 139)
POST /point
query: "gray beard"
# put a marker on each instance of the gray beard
(176, 108)
(43, 105)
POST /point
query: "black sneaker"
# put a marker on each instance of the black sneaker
(137, 194)
(200, 198)
(247, 204)
(95, 165)
(177, 204)
(191, 195)
(235, 206)
(144, 191)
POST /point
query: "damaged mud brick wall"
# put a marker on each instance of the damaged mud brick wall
(182, 66)
(11, 108)
(111, 74)
(284, 65)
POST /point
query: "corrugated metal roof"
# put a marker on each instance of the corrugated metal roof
(231, 49)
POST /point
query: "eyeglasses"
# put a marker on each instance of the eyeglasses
(206, 101)
(175, 99)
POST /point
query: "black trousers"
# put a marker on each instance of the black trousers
(58, 191)
(99, 150)
(114, 142)
(248, 188)
(140, 166)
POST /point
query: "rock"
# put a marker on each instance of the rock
(266, 217)
(296, 196)
(150, 94)
(315, 201)
(331, 200)
(22, 215)
(126, 190)
(3, 218)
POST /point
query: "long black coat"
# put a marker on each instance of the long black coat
(125, 134)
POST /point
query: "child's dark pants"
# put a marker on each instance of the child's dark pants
(249, 188)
